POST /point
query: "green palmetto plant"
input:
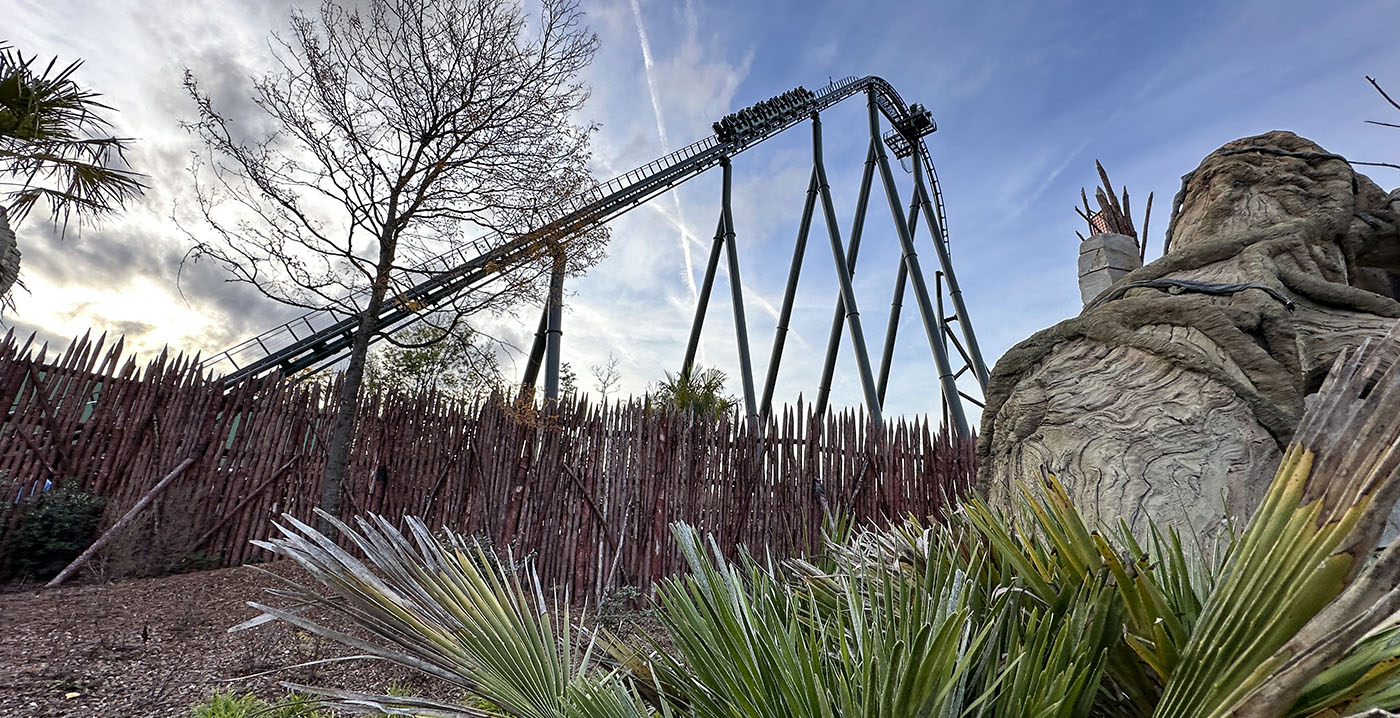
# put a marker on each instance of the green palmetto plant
(448, 610)
(54, 144)
(1030, 613)
(698, 391)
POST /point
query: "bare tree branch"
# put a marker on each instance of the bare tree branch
(1392, 165)
(1377, 85)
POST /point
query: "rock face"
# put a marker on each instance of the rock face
(1173, 393)
(9, 257)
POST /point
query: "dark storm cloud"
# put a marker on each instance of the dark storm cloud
(111, 255)
(241, 311)
(221, 75)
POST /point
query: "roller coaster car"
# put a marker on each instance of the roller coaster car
(920, 121)
(763, 114)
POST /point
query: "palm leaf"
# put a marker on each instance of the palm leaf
(1289, 605)
(445, 608)
(1362, 678)
(1054, 657)
(870, 638)
(54, 143)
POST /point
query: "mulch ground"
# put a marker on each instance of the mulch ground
(155, 647)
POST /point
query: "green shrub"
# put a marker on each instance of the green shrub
(198, 561)
(53, 528)
(621, 605)
(229, 705)
(699, 392)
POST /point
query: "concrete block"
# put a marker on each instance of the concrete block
(1103, 260)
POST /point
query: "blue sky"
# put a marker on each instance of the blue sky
(1026, 96)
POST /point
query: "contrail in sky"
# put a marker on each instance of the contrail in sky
(686, 236)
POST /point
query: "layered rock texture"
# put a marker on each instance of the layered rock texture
(9, 257)
(1173, 393)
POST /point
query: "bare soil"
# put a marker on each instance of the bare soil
(156, 647)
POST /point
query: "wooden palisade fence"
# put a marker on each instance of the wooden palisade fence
(589, 490)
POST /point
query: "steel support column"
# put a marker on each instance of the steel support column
(938, 296)
(896, 305)
(532, 365)
(931, 321)
(703, 301)
(556, 316)
(843, 277)
(736, 293)
(833, 337)
(945, 261)
(785, 314)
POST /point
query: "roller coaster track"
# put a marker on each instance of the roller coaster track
(321, 337)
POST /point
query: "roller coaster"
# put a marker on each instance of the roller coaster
(321, 337)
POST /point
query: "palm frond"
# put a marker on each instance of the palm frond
(1054, 657)
(445, 608)
(757, 640)
(55, 140)
(1290, 603)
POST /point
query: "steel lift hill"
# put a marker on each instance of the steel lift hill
(321, 337)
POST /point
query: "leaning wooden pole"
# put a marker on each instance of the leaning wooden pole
(121, 523)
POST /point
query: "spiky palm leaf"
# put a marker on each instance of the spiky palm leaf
(447, 609)
(758, 640)
(1056, 554)
(1053, 656)
(54, 144)
(1294, 599)
(983, 615)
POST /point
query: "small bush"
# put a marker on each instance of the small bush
(699, 392)
(198, 561)
(229, 705)
(621, 605)
(53, 528)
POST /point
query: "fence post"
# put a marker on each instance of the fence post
(121, 523)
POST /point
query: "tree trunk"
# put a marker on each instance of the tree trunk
(338, 455)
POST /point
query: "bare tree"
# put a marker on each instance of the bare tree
(1383, 93)
(400, 127)
(607, 375)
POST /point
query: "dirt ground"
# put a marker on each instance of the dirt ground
(155, 647)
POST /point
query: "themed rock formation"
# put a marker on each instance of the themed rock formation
(9, 258)
(1173, 393)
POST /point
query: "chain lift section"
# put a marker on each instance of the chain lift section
(321, 337)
